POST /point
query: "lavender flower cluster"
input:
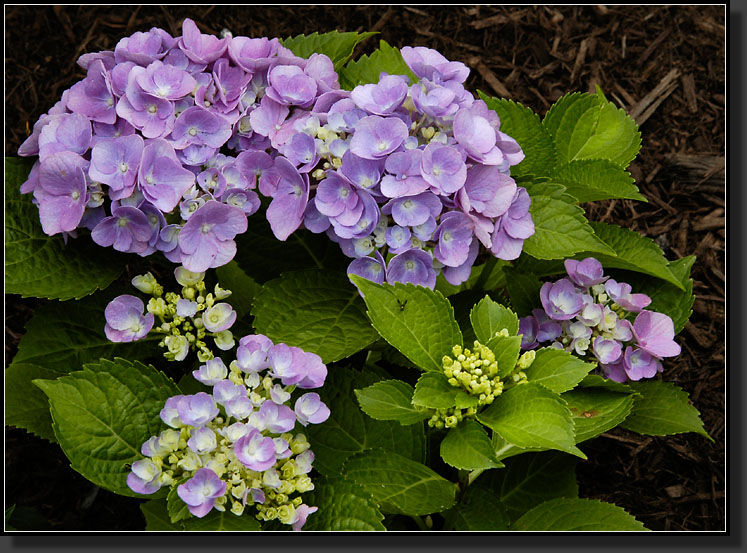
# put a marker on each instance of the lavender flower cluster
(139, 152)
(239, 444)
(587, 314)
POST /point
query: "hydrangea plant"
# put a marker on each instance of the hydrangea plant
(366, 228)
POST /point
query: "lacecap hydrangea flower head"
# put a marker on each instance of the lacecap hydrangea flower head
(242, 445)
(589, 315)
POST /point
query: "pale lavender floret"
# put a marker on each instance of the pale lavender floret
(580, 334)
(282, 449)
(615, 371)
(162, 178)
(301, 150)
(253, 54)
(201, 491)
(639, 363)
(414, 266)
(165, 81)
(246, 200)
(225, 391)
(588, 272)
(200, 126)
(103, 131)
(151, 115)
(360, 221)
(547, 329)
(67, 132)
(434, 100)
(93, 96)
(363, 246)
(168, 242)
(561, 300)
(61, 191)
(428, 64)
(443, 168)
(251, 354)
(277, 418)
(120, 76)
(106, 57)
(144, 477)
(654, 333)
(381, 98)
(203, 440)
(279, 394)
(239, 407)
(289, 85)
(255, 451)
(234, 431)
(371, 268)
(125, 319)
(115, 162)
(206, 240)
(487, 191)
(169, 414)
(397, 238)
(230, 83)
(424, 231)
(304, 461)
(309, 408)
(30, 146)
(197, 410)
(288, 205)
(620, 293)
(302, 513)
(404, 177)
(606, 351)
(267, 120)
(592, 313)
(376, 137)
(473, 131)
(142, 48)
(454, 236)
(512, 228)
(287, 363)
(529, 328)
(314, 371)
(127, 230)
(219, 317)
(212, 372)
(334, 195)
(321, 68)
(313, 220)
(458, 275)
(413, 210)
(156, 220)
(255, 166)
(155, 446)
(198, 47)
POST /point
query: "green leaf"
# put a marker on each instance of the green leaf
(573, 515)
(489, 317)
(479, 510)
(41, 266)
(560, 230)
(662, 409)
(557, 370)
(64, 336)
(316, 310)
(524, 126)
(343, 506)
(335, 45)
(243, 287)
(467, 447)
(596, 410)
(417, 321)
(586, 126)
(104, 413)
(178, 510)
(531, 416)
(26, 406)
(596, 381)
(506, 350)
(400, 485)
(531, 480)
(367, 69)
(523, 290)
(157, 517)
(589, 180)
(222, 521)
(390, 400)
(434, 391)
(634, 252)
(348, 430)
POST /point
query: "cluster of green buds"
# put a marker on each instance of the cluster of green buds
(186, 319)
(449, 418)
(475, 371)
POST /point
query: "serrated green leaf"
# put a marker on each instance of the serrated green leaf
(633, 252)
(560, 230)
(390, 400)
(400, 485)
(64, 336)
(417, 321)
(316, 310)
(478, 510)
(531, 480)
(348, 430)
(343, 506)
(531, 416)
(489, 317)
(42, 266)
(572, 515)
(596, 381)
(335, 45)
(523, 291)
(506, 350)
(102, 417)
(468, 447)
(222, 521)
(434, 391)
(662, 409)
(596, 410)
(524, 126)
(557, 370)
(589, 180)
(157, 517)
(367, 69)
(26, 406)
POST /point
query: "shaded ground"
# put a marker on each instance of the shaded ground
(664, 65)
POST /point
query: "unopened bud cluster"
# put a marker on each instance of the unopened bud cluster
(476, 371)
(449, 418)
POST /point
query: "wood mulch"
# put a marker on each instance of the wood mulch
(665, 65)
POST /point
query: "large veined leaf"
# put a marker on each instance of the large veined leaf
(400, 485)
(434, 392)
(42, 266)
(590, 180)
(489, 317)
(335, 45)
(26, 406)
(419, 322)
(316, 310)
(367, 69)
(523, 290)
(597, 410)
(577, 514)
(348, 430)
(557, 370)
(104, 413)
(478, 509)
(343, 506)
(390, 400)
(468, 447)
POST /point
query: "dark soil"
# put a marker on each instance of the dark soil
(533, 55)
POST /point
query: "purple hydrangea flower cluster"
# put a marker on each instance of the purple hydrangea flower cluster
(587, 314)
(418, 171)
(135, 151)
(241, 445)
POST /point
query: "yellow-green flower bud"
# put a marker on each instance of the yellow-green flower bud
(287, 514)
(237, 508)
(188, 292)
(304, 484)
(220, 293)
